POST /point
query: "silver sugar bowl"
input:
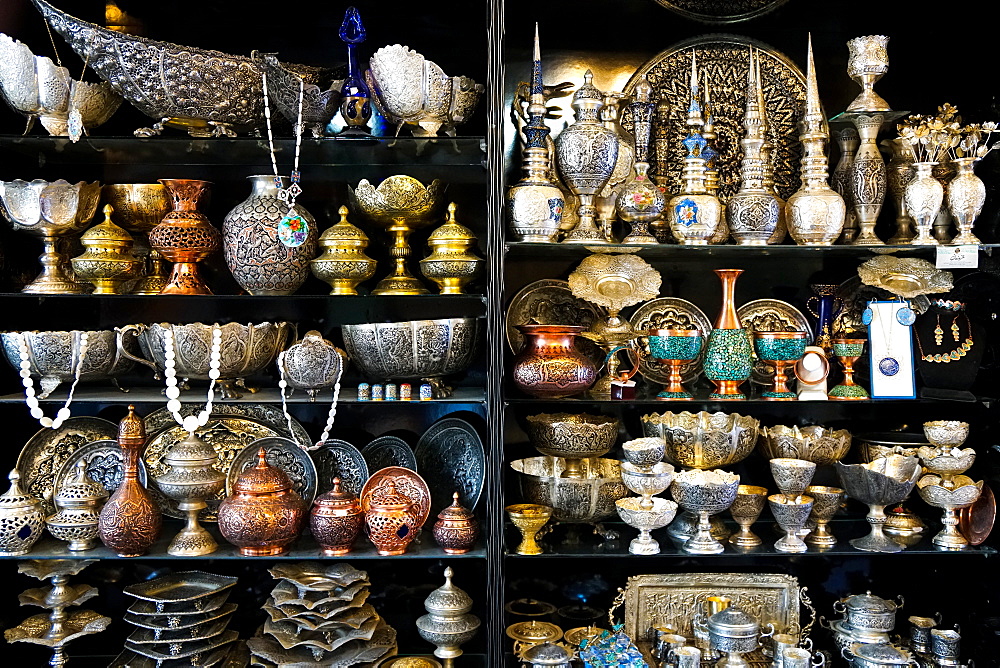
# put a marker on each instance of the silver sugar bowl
(867, 613)
(448, 624)
(547, 655)
(312, 364)
(78, 505)
(735, 632)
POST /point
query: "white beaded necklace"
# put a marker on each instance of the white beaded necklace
(29, 385)
(283, 385)
(191, 423)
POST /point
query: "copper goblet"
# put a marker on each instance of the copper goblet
(747, 507)
(676, 348)
(848, 350)
(780, 350)
(826, 502)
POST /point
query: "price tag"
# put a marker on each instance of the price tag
(958, 257)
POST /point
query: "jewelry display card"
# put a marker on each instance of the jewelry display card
(891, 345)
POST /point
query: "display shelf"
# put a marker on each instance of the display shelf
(731, 251)
(702, 402)
(303, 548)
(154, 395)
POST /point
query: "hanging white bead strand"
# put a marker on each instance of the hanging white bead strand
(28, 382)
(191, 423)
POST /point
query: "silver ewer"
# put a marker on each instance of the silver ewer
(312, 364)
(587, 153)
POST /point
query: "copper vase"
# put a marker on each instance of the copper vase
(185, 237)
(728, 356)
(549, 365)
(335, 520)
(130, 521)
(456, 529)
(392, 521)
(263, 515)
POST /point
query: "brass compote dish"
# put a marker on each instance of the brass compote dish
(573, 437)
(961, 493)
(529, 518)
(811, 443)
(746, 508)
(705, 493)
(51, 210)
(613, 281)
(946, 433)
(139, 207)
(647, 482)
(400, 204)
(882, 482)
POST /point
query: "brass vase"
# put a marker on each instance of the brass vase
(343, 263)
(107, 261)
(130, 521)
(139, 207)
(185, 237)
(550, 366)
(456, 529)
(728, 355)
(452, 264)
(191, 478)
(335, 520)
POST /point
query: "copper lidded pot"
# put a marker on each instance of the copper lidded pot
(335, 520)
(456, 529)
(550, 366)
(392, 521)
(263, 515)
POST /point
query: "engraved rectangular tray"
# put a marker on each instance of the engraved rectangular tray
(673, 599)
(174, 612)
(172, 622)
(180, 587)
(201, 649)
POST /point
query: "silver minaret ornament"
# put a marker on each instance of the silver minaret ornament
(816, 211)
(752, 213)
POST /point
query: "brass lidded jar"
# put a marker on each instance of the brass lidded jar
(392, 521)
(263, 515)
(451, 264)
(21, 519)
(456, 529)
(78, 506)
(191, 479)
(343, 263)
(107, 259)
(335, 520)
(448, 624)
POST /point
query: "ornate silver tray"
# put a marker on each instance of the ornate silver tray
(673, 599)
(180, 587)
(407, 482)
(105, 465)
(129, 659)
(451, 456)
(770, 315)
(337, 458)
(722, 60)
(389, 451)
(313, 618)
(174, 622)
(281, 453)
(721, 11)
(551, 302)
(291, 636)
(192, 651)
(286, 594)
(362, 653)
(665, 313)
(43, 456)
(178, 612)
(352, 618)
(146, 636)
(230, 429)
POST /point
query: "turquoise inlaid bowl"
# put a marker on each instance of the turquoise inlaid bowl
(848, 349)
(728, 355)
(780, 348)
(675, 347)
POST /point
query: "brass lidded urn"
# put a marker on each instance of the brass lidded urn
(78, 514)
(342, 262)
(107, 259)
(186, 237)
(192, 478)
(335, 520)
(451, 264)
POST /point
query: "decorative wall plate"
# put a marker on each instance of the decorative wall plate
(105, 465)
(339, 459)
(721, 11)
(408, 484)
(280, 453)
(669, 313)
(770, 315)
(44, 454)
(184, 650)
(230, 429)
(451, 456)
(389, 451)
(182, 622)
(723, 61)
(551, 302)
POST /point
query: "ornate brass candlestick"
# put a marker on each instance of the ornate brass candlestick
(192, 478)
(343, 263)
(400, 204)
(139, 207)
(452, 264)
(107, 259)
(186, 237)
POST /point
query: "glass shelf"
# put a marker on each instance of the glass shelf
(154, 395)
(702, 401)
(544, 250)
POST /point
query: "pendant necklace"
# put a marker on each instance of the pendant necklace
(331, 415)
(888, 365)
(293, 229)
(191, 423)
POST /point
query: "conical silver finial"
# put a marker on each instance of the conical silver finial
(813, 120)
(694, 119)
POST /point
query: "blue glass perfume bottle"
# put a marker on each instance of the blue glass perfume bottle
(355, 102)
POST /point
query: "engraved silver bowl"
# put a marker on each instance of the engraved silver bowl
(413, 349)
(703, 440)
(644, 452)
(410, 90)
(946, 433)
(312, 364)
(811, 443)
(320, 93)
(573, 436)
(54, 356)
(576, 500)
(879, 483)
(246, 350)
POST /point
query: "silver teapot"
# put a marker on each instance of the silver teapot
(735, 632)
(864, 655)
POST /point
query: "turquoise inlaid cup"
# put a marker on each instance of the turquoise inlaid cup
(780, 346)
(675, 344)
(849, 349)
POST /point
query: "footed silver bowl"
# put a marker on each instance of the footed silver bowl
(645, 520)
(574, 436)
(705, 493)
(413, 349)
(946, 433)
(703, 440)
(811, 443)
(879, 483)
(588, 500)
(320, 93)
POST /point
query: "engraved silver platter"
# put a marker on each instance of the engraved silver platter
(182, 622)
(362, 653)
(280, 453)
(669, 313)
(179, 611)
(192, 651)
(43, 456)
(770, 315)
(451, 456)
(722, 60)
(721, 11)
(105, 465)
(671, 599)
(129, 659)
(389, 451)
(336, 458)
(180, 588)
(230, 429)
(551, 302)
(145, 636)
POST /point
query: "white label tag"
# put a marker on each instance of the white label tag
(958, 257)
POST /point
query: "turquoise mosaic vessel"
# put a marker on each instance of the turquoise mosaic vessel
(684, 348)
(849, 392)
(728, 357)
(849, 349)
(780, 350)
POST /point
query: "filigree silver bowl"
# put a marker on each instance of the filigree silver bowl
(576, 500)
(246, 350)
(410, 90)
(879, 483)
(705, 493)
(644, 452)
(811, 443)
(413, 349)
(946, 433)
(703, 440)
(573, 436)
(946, 462)
(320, 92)
(53, 356)
(645, 520)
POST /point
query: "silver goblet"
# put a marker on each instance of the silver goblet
(747, 507)
(867, 63)
(791, 512)
(826, 502)
(704, 493)
(792, 475)
(647, 482)
(884, 481)
(645, 520)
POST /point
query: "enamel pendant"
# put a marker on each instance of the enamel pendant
(905, 316)
(293, 229)
(74, 126)
(888, 366)
(867, 316)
